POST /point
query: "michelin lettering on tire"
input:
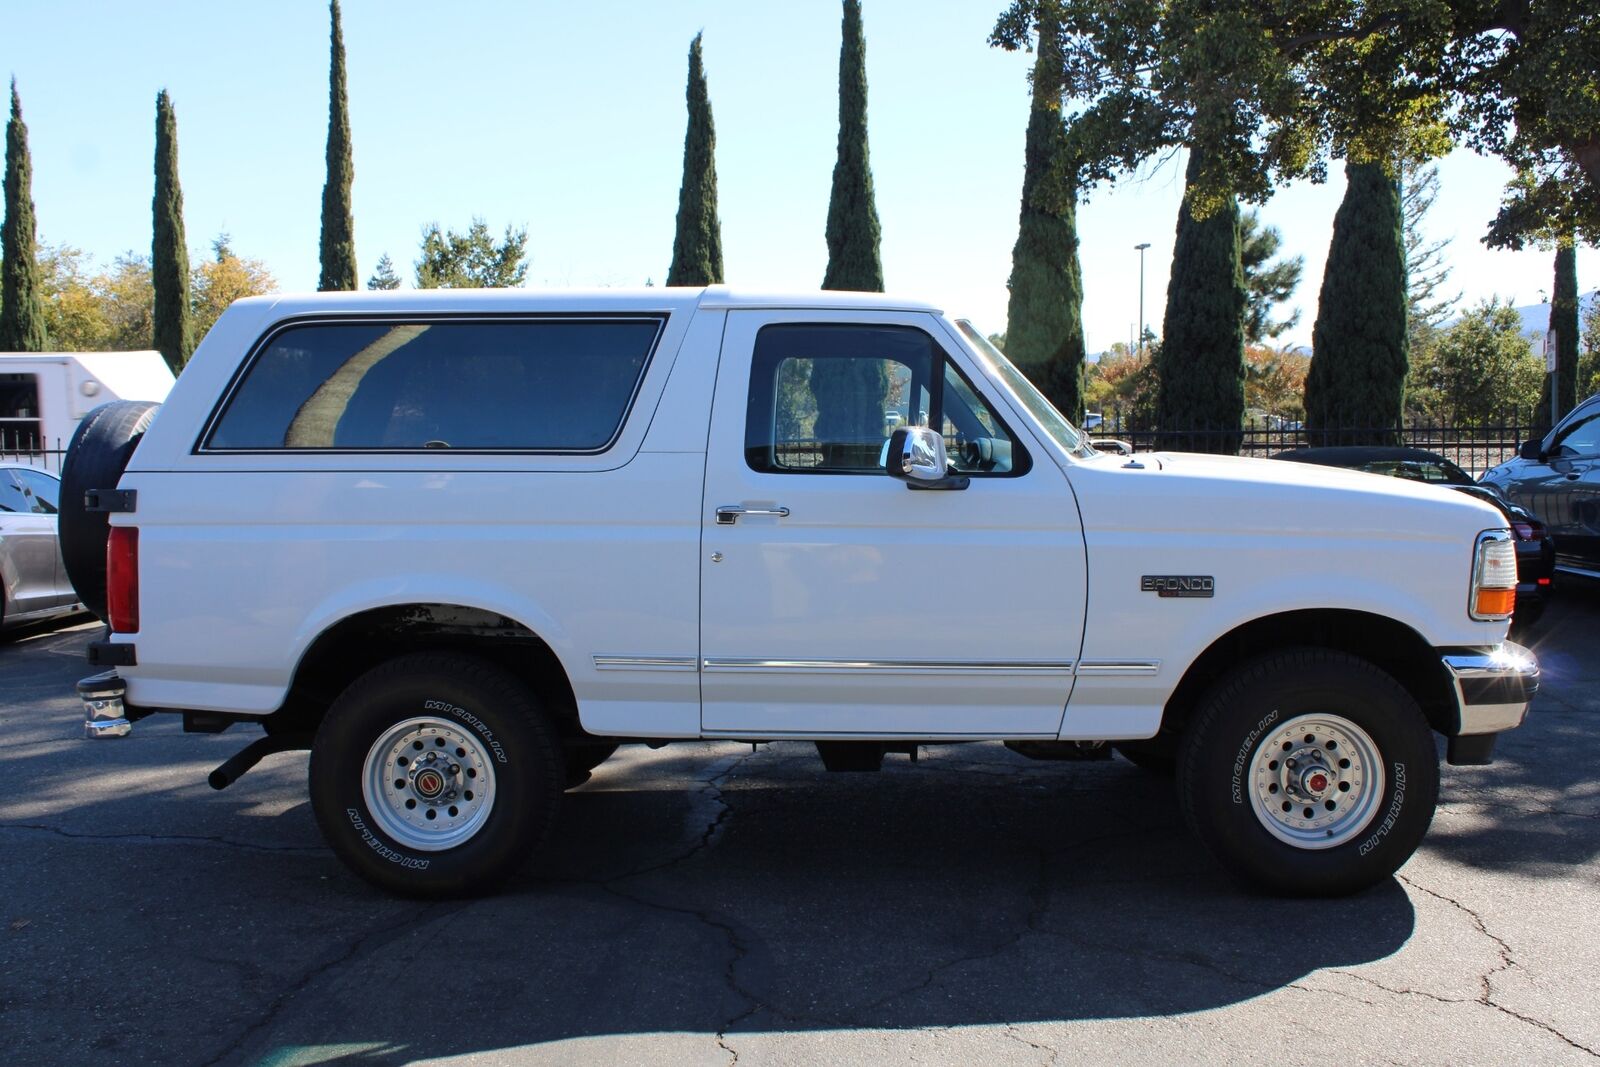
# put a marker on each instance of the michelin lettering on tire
(372, 842)
(471, 720)
(1393, 813)
(1245, 751)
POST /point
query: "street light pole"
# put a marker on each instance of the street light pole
(1141, 248)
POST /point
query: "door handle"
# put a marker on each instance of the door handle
(728, 514)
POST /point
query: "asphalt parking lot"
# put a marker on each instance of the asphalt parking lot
(707, 904)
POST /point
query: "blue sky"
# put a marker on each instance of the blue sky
(568, 119)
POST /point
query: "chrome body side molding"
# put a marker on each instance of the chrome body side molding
(644, 663)
(1119, 668)
(884, 666)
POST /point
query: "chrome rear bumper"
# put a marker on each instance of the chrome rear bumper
(103, 712)
(1493, 686)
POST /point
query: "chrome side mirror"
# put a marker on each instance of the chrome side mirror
(917, 457)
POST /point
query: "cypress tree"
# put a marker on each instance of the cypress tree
(173, 328)
(1564, 335)
(1355, 390)
(1200, 364)
(338, 227)
(853, 260)
(21, 296)
(697, 247)
(1044, 319)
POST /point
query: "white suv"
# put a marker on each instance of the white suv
(463, 544)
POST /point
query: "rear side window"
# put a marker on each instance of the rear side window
(12, 499)
(549, 385)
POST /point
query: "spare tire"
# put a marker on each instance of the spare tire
(99, 453)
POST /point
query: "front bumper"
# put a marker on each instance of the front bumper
(1493, 686)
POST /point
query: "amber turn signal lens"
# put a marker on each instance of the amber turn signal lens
(1496, 601)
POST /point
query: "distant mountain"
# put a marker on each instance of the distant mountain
(1536, 317)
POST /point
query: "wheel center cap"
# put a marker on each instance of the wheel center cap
(1315, 781)
(428, 783)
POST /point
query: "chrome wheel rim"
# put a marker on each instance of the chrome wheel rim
(1317, 781)
(428, 784)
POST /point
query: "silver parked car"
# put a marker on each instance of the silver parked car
(33, 581)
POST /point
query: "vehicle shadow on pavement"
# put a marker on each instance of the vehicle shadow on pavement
(970, 888)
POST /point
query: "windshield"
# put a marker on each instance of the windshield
(1044, 413)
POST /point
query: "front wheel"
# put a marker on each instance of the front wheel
(435, 774)
(1309, 772)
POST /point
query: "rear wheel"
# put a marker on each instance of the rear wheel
(1309, 772)
(435, 774)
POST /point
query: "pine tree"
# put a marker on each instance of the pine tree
(338, 227)
(853, 233)
(384, 277)
(1267, 282)
(173, 330)
(1044, 319)
(1200, 363)
(1563, 335)
(1428, 305)
(1355, 391)
(697, 247)
(22, 312)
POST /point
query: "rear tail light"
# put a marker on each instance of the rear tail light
(122, 579)
(1494, 576)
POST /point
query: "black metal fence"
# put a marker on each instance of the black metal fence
(32, 451)
(1473, 448)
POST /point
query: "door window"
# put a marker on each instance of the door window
(44, 490)
(1580, 437)
(824, 399)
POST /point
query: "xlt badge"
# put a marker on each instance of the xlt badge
(1180, 585)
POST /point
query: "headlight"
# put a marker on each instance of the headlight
(1494, 576)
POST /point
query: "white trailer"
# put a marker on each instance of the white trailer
(44, 395)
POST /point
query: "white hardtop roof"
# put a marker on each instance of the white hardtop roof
(662, 298)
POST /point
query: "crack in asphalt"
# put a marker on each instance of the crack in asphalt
(1507, 962)
(1039, 893)
(738, 949)
(210, 840)
(1464, 805)
(1014, 1034)
(425, 914)
(1039, 896)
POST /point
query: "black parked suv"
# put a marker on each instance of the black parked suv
(1557, 478)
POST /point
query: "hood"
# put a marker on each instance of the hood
(1235, 493)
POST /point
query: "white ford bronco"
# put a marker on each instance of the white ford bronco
(461, 545)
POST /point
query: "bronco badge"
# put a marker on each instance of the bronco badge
(1179, 585)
